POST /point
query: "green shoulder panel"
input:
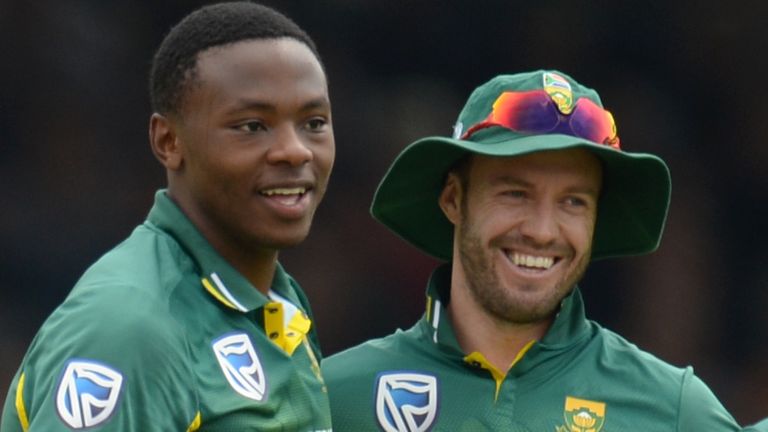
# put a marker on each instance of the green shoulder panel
(126, 355)
(700, 410)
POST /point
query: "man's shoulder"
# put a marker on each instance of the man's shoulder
(146, 251)
(107, 319)
(627, 359)
(144, 268)
(371, 356)
(122, 299)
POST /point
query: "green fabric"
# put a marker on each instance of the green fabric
(577, 358)
(142, 310)
(632, 208)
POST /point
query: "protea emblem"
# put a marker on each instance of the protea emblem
(583, 415)
(87, 393)
(241, 365)
(406, 401)
(559, 91)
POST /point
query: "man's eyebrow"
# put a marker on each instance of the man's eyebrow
(511, 180)
(245, 104)
(508, 179)
(320, 102)
(588, 190)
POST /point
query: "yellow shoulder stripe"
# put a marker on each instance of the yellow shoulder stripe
(20, 410)
(24, 420)
(195, 423)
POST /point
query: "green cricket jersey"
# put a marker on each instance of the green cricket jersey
(579, 378)
(162, 334)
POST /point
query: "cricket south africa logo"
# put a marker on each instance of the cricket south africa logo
(406, 401)
(583, 415)
(559, 90)
(241, 365)
(87, 394)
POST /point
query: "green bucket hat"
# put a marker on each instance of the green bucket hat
(632, 208)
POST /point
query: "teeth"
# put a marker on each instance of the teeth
(284, 191)
(532, 261)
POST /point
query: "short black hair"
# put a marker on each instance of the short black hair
(175, 62)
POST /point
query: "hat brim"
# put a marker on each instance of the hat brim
(632, 208)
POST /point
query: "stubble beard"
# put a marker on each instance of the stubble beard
(504, 304)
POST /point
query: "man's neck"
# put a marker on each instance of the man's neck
(498, 341)
(259, 270)
(256, 264)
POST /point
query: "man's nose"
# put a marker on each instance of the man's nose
(540, 224)
(289, 147)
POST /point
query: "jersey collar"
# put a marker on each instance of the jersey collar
(218, 277)
(569, 327)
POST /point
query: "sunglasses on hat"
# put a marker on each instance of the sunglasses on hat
(535, 112)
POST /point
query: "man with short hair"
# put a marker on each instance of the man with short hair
(191, 323)
(533, 185)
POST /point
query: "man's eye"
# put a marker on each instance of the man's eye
(576, 202)
(251, 126)
(515, 193)
(316, 124)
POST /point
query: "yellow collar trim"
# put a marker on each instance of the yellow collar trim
(288, 337)
(479, 360)
(217, 295)
(221, 293)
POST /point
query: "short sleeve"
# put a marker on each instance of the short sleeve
(105, 367)
(758, 427)
(700, 410)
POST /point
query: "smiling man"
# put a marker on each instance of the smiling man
(191, 324)
(533, 185)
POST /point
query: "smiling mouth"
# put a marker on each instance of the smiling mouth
(534, 262)
(286, 196)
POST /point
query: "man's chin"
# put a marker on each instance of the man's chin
(287, 242)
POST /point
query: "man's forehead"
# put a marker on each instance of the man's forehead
(577, 165)
(574, 156)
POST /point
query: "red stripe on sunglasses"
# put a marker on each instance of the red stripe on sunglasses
(534, 112)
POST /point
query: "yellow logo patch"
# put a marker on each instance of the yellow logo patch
(559, 90)
(582, 415)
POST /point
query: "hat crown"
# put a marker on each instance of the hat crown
(559, 85)
(636, 186)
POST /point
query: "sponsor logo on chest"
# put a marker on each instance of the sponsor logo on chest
(241, 365)
(406, 401)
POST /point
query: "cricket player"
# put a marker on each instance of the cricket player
(191, 323)
(533, 185)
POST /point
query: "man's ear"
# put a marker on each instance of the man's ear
(165, 142)
(450, 198)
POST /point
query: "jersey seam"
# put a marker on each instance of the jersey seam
(681, 398)
(182, 258)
